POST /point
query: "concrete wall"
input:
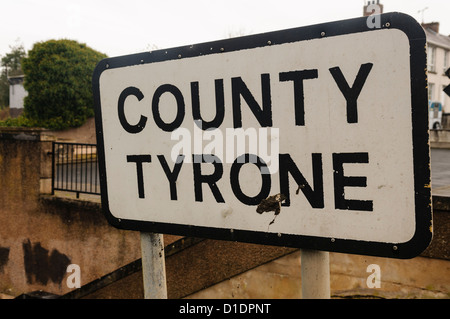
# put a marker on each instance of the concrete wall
(418, 278)
(426, 276)
(40, 237)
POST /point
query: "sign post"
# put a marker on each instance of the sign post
(315, 274)
(153, 266)
(314, 138)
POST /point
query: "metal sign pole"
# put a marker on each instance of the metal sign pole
(315, 272)
(153, 266)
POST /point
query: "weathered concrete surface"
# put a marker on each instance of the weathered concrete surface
(418, 278)
(42, 237)
(427, 276)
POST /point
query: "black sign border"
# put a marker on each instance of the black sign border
(421, 149)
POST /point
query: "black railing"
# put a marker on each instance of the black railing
(75, 169)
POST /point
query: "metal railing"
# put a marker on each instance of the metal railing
(75, 168)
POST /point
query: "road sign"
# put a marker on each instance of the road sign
(447, 88)
(313, 137)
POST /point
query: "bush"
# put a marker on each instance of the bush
(21, 121)
(58, 77)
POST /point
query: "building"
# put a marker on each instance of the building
(438, 52)
(17, 93)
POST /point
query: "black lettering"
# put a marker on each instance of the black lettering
(172, 176)
(264, 114)
(315, 197)
(211, 180)
(220, 105)
(265, 175)
(341, 181)
(139, 159)
(133, 129)
(351, 94)
(168, 88)
(299, 96)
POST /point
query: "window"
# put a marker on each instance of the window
(431, 92)
(446, 57)
(431, 59)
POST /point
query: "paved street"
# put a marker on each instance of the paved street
(440, 171)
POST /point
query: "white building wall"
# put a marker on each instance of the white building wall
(16, 95)
(436, 78)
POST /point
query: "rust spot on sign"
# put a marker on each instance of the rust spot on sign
(271, 204)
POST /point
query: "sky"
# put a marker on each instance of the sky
(121, 27)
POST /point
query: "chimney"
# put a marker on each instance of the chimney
(368, 12)
(434, 26)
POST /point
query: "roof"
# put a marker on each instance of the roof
(437, 39)
(18, 79)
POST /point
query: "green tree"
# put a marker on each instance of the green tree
(58, 77)
(11, 64)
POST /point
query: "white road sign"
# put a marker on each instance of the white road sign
(315, 137)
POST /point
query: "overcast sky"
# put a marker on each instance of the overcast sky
(120, 27)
